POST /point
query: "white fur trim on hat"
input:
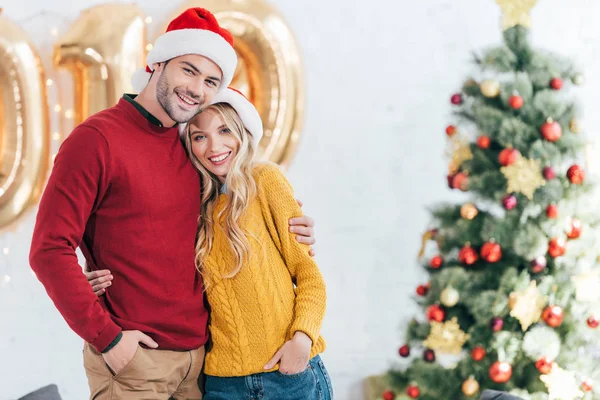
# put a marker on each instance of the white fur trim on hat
(190, 41)
(245, 110)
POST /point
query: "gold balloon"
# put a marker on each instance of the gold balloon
(24, 124)
(490, 88)
(102, 49)
(269, 71)
(449, 297)
(470, 387)
(468, 211)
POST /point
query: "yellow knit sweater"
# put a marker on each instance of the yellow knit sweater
(254, 313)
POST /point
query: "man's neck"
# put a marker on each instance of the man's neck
(151, 104)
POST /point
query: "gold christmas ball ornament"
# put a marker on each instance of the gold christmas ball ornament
(470, 387)
(578, 79)
(449, 297)
(468, 211)
(490, 88)
(575, 126)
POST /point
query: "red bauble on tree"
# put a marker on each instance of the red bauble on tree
(456, 99)
(435, 313)
(422, 290)
(388, 395)
(575, 174)
(551, 130)
(508, 156)
(460, 181)
(467, 255)
(478, 353)
(556, 247)
(515, 101)
(483, 142)
(491, 252)
(574, 228)
(429, 355)
(543, 365)
(538, 264)
(553, 316)
(552, 211)
(549, 173)
(500, 372)
(413, 391)
(404, 351)
(496, 324)
(450, 130)
(593, 321)
(556, 83)
(436, 262)
(586, 385)
(509, 201)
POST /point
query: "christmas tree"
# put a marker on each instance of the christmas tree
(513, 300)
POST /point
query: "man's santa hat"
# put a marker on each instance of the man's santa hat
(195, 31)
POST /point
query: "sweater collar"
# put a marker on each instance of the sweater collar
(144, 119)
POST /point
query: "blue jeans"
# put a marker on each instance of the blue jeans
(312, 384)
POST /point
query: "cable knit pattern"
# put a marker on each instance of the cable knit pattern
(258, 310)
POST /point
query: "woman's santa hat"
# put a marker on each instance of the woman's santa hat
(195, 31)
(244, 108)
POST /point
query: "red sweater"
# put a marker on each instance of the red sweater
(125, 191)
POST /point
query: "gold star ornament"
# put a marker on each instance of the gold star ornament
(460, 151)
(561, 384)
(527, 305)
(523, 176)
(446, 337)
(516, 12)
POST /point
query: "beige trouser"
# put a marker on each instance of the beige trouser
(150, 375)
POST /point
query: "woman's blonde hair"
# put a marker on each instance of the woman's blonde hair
(241, 188)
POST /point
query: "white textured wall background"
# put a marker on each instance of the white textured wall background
(378, 78)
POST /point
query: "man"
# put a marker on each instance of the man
(123, 190)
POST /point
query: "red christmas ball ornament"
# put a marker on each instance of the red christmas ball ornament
(551, 130)
(593, 321)
(553, 316)
(543, 365)
(491, 252)
(388, 395)
(460, 181)
(549, 173)
(508, 156)
(552, 211)
(538, 264)
(515, 101)
(483, 142)
(586, 385)
(413, 391)
(575, 174)
(456, 99)
(556, 247)
(500, 372)
(467, 255)
(436, 262)
(509, 201)
(478, 353)
(574, 229)
(556, 83)
(429, 355)
(422, 290)
(496, 324)
(404, 351)
(450, 130)
(435, 313)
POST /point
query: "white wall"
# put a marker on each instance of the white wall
(379, 75)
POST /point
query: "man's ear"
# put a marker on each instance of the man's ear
(158, 66)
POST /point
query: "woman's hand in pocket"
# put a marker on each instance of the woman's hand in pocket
(99, 280)
(293, 356)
